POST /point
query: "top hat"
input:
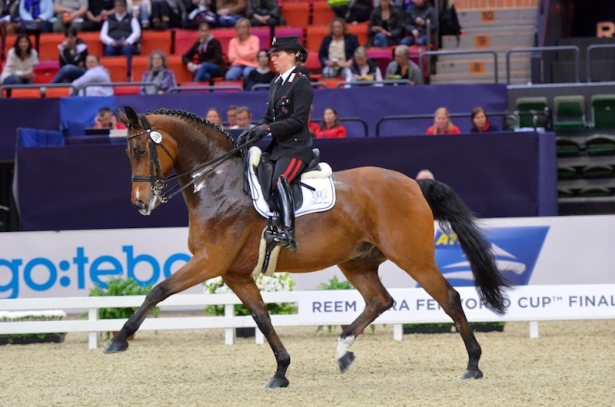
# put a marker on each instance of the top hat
(290, 43)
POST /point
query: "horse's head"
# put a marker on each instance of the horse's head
(150, 149)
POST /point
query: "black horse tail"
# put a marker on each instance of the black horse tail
(448, 207)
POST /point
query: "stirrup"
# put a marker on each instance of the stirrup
(286, 240)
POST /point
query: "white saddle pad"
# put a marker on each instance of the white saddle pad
(320, 200)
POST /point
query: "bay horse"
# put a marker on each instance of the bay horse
(379, 214)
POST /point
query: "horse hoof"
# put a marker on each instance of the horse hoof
(345, 361)
(472, 374)
(276, 383)
(115, 346)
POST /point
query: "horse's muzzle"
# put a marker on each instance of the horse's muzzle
(143, 208)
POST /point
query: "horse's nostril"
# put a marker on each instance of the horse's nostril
(139, 204)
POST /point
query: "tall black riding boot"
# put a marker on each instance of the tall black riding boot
(286, 206)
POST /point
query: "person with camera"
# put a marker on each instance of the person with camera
(286, 119)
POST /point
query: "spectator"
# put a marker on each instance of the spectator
(313, 127)
(95, 74)
(353, 11)
(330, 126)
(105, 119)
(265, 13)
(213, 116)
(230, 12)
(402, 67)
(242, 51)
(9, 16)
(231, 115)
(159, 74)
(198, 12)
(209, 52)
(21, 59)
(35, 15)
(442, 123)
(480, 121)
(98, 10)
(167, 14)
(386, 25)
(120, 33)
(363, 68)
(244, 118)
(69, 14)
(73, 52)
(425, 174)
(141, 10)
(262, 74)
(416, 22)
(337, 49)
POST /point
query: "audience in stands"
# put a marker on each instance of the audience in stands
(9, 16)
(22, 58)
(73, 52)
(265, 13)
(402, 67)
(416, 22)
(105, 119)
(167, 14)
(330, 126)
(96, 74)
(244, 118)
(159, 74)
(213, 116)
(353, 11)
(230, 12)
(337, 49)
(442, 123)
(35, 15)
(69, 14)
(120, 33)
(198, 12)
(97, 12)
(313, 127)
(242, 51)
(480, 121)
(209, 53)
(425, 174)
(231, 116)
(262, 74)
(141, 10)
(386, 25)
(363, 68)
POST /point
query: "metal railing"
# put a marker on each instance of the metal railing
(179, 89)
(535, 115)
(42, 88)
(393, 82)
(588, 57)
(350, 119)
(536, 49)
(118, 85)
(422, 55)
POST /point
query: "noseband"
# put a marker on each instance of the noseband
(156, 180)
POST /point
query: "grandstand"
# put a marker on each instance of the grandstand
(533, 63)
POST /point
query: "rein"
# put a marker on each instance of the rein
(157, 182)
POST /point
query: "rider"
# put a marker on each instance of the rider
(286, 118)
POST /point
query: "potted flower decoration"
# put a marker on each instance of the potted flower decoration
(25, 339)
(336, 284)
(275, 282)
(120, 286)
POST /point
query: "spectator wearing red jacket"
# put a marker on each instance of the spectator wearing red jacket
(330, 126)
(442, 123)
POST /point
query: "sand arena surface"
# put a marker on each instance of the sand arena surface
(571, 364)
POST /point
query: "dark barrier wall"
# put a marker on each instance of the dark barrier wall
(88, 187)
(370, 104)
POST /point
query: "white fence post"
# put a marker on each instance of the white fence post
(229, 333)
(533, 329)
(92, 336)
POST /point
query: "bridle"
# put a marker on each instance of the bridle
(156, 180)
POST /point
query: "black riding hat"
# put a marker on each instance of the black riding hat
(290, 43)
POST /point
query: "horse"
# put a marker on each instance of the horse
(379, 214)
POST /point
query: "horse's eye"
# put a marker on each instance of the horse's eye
(141, 151)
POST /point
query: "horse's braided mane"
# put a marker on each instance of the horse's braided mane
(198, 119)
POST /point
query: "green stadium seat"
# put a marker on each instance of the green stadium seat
(603, 107)
(591, 192)
(565, 172)
(569, 113)
(597, 171)
(567, 147)
(600, 144)
(530, 105)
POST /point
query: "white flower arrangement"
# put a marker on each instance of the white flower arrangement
(275, 282)
(52, 315)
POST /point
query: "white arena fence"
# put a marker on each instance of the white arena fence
(527, 303)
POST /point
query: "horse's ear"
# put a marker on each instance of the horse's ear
(121, 116)
(131, 118)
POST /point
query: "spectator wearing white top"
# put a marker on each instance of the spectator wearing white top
(95, 74)
(120, 33)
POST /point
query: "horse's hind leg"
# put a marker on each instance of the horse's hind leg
(248, 293)
(363, 275)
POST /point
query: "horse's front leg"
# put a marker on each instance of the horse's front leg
(248, 293)
(191, 273)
